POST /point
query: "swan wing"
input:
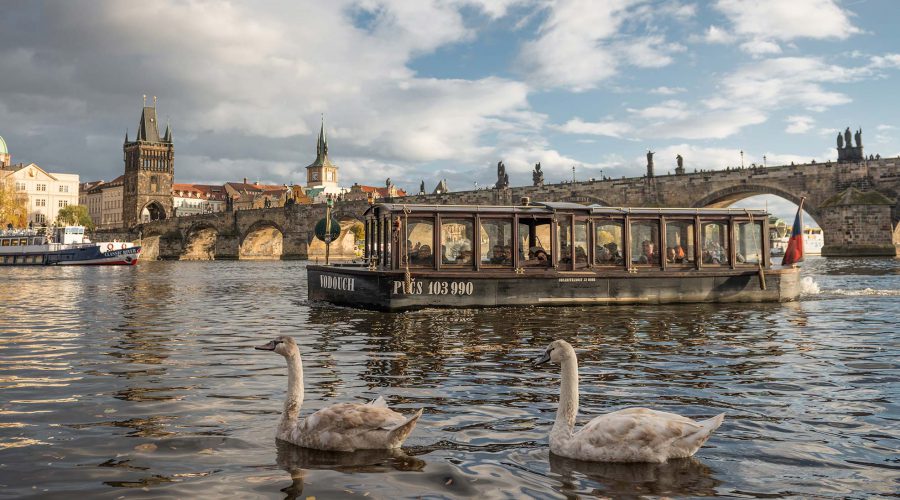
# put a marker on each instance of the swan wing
(639, 435)
(349, 426)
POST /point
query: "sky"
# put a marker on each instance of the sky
(444, 89)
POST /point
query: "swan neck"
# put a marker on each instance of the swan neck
(568, 397)
(295, 388)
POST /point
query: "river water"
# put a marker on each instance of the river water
(141, 383)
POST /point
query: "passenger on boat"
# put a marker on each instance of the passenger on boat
(507, 255)
(671, 255)
(464, 257)
(497, 255)
(648, 253)
(423, 256)
(537, 257)
(580, 255)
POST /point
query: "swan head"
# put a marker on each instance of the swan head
(282, 344)
(557, 352)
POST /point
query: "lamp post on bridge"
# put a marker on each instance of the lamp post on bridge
(742, 158)
(764, 161)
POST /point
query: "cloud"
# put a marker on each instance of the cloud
(798, 124)
(582, 43)
(244, 84)
(780, 20)
(667, 109)
(667, 90)
(608, 129)
(714, 34)
(760, 47)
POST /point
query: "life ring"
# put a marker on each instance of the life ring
(109, 246)
(124, 245)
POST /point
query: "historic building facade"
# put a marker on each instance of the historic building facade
(5, 158)
(322, 175)
(192, 199)
(47, 192)
(149, 172)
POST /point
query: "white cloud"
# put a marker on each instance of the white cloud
(886, 61)
(608, 128)
(714, 34)
(798, 124)
(667, 90)
(667, 109)
(780, 20)
(760, 47)
(582, 42)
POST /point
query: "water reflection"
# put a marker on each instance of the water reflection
(298, 461)
(143, 378)
(678, 477)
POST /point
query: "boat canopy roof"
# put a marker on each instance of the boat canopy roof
(551, 207)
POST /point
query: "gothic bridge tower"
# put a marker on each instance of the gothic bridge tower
(149, 171)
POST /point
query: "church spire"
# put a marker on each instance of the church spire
(322, 148)
(322, 145)
(167, 137)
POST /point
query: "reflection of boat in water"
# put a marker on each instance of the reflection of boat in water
(677, 477)
(64, 246)
(555, 254)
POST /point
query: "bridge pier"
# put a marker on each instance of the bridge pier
(859, 224)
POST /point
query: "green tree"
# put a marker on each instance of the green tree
(13, 205)
(75, 215)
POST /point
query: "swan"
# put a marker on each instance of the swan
(340, 427)
(630, 435)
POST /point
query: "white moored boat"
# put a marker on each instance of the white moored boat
(62, 246)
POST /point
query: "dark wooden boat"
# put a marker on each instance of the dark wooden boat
(555, 254)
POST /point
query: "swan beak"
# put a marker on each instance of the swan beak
(543, 358)
(267, 347)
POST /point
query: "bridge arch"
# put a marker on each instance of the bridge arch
(200, 242)
(153, 211)
(263, 240)
(730, 195)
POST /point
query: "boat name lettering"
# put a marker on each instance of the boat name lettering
(437, 288)
(577, 280)
(337, 283)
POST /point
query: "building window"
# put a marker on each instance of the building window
(41, 187)
(63, 203)
(20, 186)
(64, 189)
(39, 218)
(40, 202)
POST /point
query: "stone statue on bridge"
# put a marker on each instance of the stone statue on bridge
(679, 160)
(422, 187)
(537, 176)
(847, 137)
(650, 163)
(858, 137)
(502, 177)
(840, 141)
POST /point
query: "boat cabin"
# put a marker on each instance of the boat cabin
(542, 237)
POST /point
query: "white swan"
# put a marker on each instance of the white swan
(340, 427)
(630, 435)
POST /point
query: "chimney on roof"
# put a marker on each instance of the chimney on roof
(245, 180)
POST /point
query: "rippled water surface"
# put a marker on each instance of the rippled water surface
(141, 382)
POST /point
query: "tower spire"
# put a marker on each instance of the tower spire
(322, 145)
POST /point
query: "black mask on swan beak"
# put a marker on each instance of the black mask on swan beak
(269, 347)
(543, 358)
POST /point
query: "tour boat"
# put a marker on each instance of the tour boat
(419, 256)
(65, 246)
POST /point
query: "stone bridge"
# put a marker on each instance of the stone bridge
(856, 204)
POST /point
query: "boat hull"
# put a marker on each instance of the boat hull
(81, 255)
(386, 291)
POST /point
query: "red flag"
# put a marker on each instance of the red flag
(794, 251)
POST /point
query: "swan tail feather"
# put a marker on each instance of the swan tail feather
(399, 434)
(689, 444)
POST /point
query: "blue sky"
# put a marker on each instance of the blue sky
(445, 89)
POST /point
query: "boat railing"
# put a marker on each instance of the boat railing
(20, 232)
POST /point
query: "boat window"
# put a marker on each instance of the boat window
(564, 240)
(15, 242)
(456, 242)
(419, 238)
(534, 242)
(608, 236)
(581, 243)
(23, 241)
(748, 239)
(4, 243)
(645, 242)
(496, 242)
(714, 243)
(679, 242)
